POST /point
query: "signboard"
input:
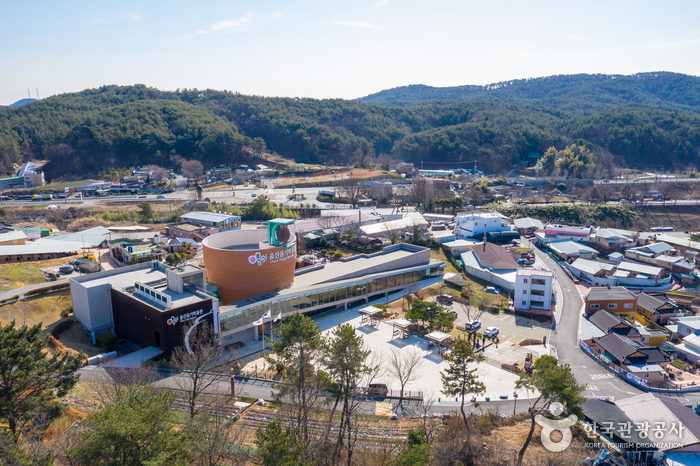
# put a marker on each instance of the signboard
(173, 320)
(273, 257)
(383, 409)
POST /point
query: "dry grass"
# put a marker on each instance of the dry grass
(43, 309)
(325, 176)
(20, 275)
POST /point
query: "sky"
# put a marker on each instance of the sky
(333, 49)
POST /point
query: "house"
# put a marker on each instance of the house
(571, 250)
(491, 263)
(617, 300)
(313, 239)
(552, 233)
(657, 309)
(212, 219)
(615, 257)
(623, 274)
(189, 230)
(676, 264)
(12, 238)
(610, 237)
(672, 428)
(653, 338)
(604, 418)
(533, 290)
(527, 226)
(595, 272)
(461, 245)
(611, 323)
(634, 270)
(474, 225)
(650, 251)
(688, 325)
(394, 228)
(644, 362)
(681, 244)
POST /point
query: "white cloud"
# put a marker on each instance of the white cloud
(133, 16)
(382, 3)
(358, 24)
(248, 22)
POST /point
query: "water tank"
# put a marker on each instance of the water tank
(130, 249)
(156, 239)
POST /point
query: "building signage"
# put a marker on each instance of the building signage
(272, 257)
(185, 317)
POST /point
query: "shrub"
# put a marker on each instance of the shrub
(338, 255)
(108, 341)
(61, 327)
(324, 251)
(66, 312)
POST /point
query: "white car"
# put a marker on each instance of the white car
(472, 325)
(492, 290)
(491, 332)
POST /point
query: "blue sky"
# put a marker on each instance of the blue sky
(343, 49)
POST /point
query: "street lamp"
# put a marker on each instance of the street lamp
(515, 402)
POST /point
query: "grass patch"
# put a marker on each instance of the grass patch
(438, 254)
(18, 276)
(44, 309)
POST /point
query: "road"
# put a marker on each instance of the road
(564, 337)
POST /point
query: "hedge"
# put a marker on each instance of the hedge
(46, 290)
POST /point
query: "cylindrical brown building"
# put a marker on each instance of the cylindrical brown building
(244, 264)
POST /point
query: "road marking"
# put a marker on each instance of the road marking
(593, 388)
(619, 390)
(602, 376)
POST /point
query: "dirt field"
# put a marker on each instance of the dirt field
(77, 339)
(45, 309)
(682, 218)
(326, 176)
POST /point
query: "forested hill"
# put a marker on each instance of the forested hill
(86, 133)
(580, 92)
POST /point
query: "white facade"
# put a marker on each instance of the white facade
(533, 289)
(473, 225)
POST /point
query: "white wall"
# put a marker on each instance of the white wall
(524, 288)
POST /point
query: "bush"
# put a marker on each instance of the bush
(67, 312)
(324, 251)
(61, 327)
(338, 255)
(108, 341)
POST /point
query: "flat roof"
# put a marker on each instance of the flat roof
(208, 216)
(126, 279)
(615, 292)
(534, 272)
(402, 323)
(527, 223)
(360, 268)
(461, 242)
(571, 247)
(438, 336)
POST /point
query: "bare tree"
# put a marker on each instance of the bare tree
(351, 191)
(332, 221)
(214, 437)
(105, 385)
(478, 304)
(192, 168)
(202, 362)
(404, 364)
(158, 173)
(394, 234)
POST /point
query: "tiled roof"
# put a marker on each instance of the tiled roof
(612, 293)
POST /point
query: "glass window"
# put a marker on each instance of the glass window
(538, 281)
(537, 292)
(595, 306)
(628, 305)
(612, 306)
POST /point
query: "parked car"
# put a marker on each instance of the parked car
(253, 195)
(453, 313)
(445, 299)
(492, 290)
(525, 262)
(160, 196)
(472, 325)
(491, 332)
(65, 269)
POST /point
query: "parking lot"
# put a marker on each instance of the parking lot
(512, 328)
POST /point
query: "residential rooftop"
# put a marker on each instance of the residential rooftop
(612, 293)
